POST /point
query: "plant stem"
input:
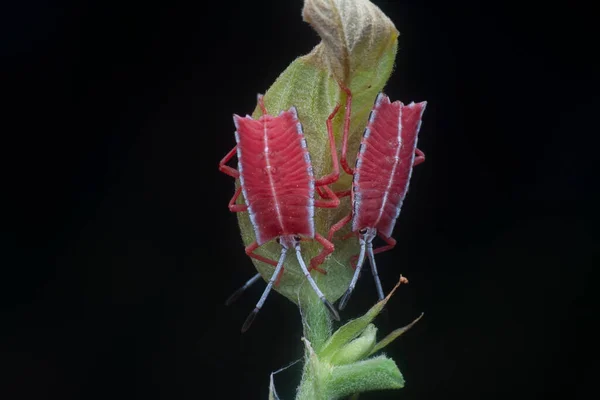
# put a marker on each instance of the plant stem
(316, 321)
(316, 324)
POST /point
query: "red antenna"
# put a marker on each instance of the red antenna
(386, 157)
(276, 179)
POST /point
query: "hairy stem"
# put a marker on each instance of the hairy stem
(316, 323)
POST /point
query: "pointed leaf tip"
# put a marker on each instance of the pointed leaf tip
(355, 327)
(394, 335)
(356, 349)
(401, 280)
(349, 29)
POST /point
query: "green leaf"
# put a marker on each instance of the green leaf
(352, 34)
(323, 376)
(354, 328)
(358, 47)
(357, 349)
(373, 374)
(393, 336)
(311, 386)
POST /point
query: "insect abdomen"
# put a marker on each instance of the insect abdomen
(276, 175)
(384, 164)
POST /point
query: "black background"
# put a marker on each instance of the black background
(119, 250)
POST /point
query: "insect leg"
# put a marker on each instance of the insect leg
(226, 168)
(335, 173)
(329, 306)
(323, 193)
(419, 158)
(349, 235)
(237, 207)
(391, 243)
(261, 103)
(241, 290)
(343, 160)
(361, 260)
(331, 200)
(343, 193)
(328, 248)
(250, 252)
(374, 270)
(260, 303)
(338, 225)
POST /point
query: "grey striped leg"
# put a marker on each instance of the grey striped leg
(260, 303)
(329, 306)
(361, 260)
(241, 290)
(374, 270)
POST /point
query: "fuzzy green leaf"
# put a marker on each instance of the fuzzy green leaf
(393, 336)
(357, 349)
(373, 374)
(354, 328)
(347, 29)
(358, 47)
(312, 385)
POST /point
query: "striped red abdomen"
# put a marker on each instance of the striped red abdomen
(276, 175)
(384, 164)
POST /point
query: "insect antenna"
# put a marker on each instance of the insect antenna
(260, 303)
(374, 270)
(361, 260)
(329, 306)
(235, 295)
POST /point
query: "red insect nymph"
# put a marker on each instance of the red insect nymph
(386, 157)
(276, 179)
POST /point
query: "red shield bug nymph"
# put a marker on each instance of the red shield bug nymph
(278, 185)
(386, 157)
